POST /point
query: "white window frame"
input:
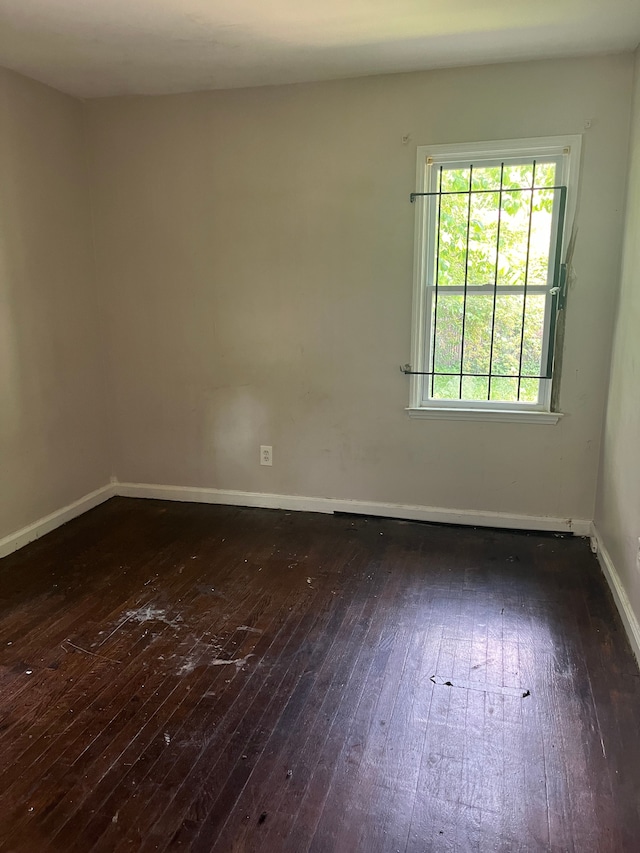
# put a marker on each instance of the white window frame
(566, 151)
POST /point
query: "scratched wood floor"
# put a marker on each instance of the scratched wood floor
(186, 677)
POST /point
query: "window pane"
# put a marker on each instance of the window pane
(483, 238)
(514, 238)
(448, 339)
(508, 339)
(504, 390)
(475, 388)
(446, 388)
(529, 390)
(525, 227)
(520, 176)
(541, 219)
(455, 180)
(485, 178)
(532, 347)
(477, 333)
(545, 174)
(453, 239)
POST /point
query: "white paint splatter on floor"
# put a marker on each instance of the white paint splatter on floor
(149, 613)
(237, 662)
(188, 666)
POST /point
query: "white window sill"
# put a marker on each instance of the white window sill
(497, 415)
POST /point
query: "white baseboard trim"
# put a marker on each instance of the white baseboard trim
(629, 620)
(408, 512)
(44, 525)
(580, 527)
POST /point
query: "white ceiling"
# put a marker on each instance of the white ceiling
(111, 47)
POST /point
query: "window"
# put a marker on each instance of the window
(492, 221)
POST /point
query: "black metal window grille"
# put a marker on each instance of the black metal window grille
(482, 332)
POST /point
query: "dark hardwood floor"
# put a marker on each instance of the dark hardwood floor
(187, 677)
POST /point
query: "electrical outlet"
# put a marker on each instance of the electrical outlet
(266, 454)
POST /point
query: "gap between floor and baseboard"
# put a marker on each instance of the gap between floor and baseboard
(620, 597)
(407, 512)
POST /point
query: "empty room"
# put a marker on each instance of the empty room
(319, 426)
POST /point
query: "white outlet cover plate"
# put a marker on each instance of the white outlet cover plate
(266, 454)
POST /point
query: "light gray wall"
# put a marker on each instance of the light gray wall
(256, 247)
(618, 503)
(52, 426)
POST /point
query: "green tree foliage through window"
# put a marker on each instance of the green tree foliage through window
(493, 240)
